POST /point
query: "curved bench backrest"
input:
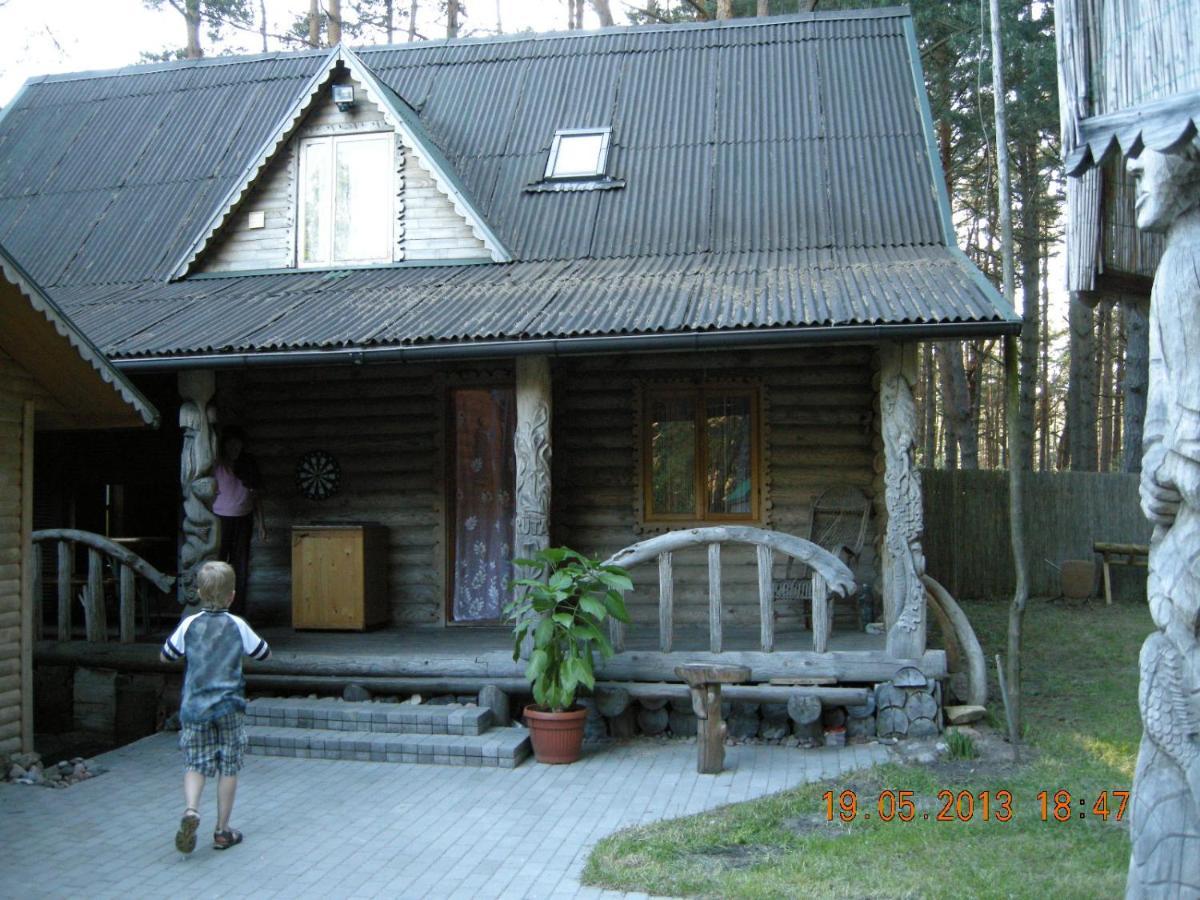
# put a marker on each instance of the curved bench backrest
(828, 573)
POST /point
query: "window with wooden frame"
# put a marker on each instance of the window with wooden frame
(701, 454)
(345, 199)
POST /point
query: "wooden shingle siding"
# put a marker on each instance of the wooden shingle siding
(16, 387)
(384, 426)
(819, 431)
(428, 226)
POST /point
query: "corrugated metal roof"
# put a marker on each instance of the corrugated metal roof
(425, 305)
(775, 170)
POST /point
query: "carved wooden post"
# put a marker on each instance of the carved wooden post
(903, 561)
(1165, 810)
(704, 682)
(201, 529)
(531, 531)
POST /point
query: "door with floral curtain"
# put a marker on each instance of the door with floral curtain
(483, 466)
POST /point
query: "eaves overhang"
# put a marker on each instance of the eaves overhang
(1164, 125)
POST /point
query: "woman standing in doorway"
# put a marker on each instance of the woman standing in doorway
(237, 506)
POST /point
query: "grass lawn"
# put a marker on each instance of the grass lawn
(1082, 732)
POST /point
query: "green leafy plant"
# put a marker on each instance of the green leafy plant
(960, 745)
(562, 606)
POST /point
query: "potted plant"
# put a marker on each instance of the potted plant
(560, 608)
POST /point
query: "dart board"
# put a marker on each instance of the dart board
(318, 475)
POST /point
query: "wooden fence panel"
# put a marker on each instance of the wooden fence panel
(966, 539)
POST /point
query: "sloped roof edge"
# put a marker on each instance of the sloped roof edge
(400, 116)
(85, 348)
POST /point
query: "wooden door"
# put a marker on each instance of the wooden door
(482, 502)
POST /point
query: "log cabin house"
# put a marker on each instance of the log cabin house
(580, 289)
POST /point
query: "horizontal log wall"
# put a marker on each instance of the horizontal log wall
(16, 386)
(967, 546)
(819, 431)
(384, 424)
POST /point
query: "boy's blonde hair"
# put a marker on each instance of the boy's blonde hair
(215, 584)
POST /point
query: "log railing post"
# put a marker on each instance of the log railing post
(666, 603)
(66, 572)
(766, 597)
(714, 598)
(94, 615)
(128, 604)
(821, 619)
(36, 562)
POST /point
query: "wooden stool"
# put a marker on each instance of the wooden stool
(705, 683)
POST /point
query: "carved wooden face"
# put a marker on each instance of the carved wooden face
(1168, 185)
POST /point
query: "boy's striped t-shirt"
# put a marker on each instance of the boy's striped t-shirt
(213, 644)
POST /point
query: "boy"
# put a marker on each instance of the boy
(212, 717)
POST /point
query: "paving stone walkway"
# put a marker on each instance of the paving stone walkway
(333, 829)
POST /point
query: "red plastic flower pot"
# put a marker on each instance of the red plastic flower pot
(557, 737)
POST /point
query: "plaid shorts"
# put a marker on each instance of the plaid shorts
(215, 747)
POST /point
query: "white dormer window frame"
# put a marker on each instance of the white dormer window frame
(320, 248)
(563, 166)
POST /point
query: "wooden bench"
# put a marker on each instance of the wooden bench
(1119, 555)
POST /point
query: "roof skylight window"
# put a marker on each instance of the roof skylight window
(578, 153)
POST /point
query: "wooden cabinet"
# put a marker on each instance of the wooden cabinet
(339, 576)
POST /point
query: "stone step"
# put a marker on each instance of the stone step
(392, 718)
(502, 747)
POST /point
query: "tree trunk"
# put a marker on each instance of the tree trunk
(262, 23)
(333, 9)
(389, 19)
(724, 9)
(956, 407)
(1081, 399)
(930, 407)
(314, 23)
(1044, 340)
(412, 20)
(1030, 277)
(1137, 375)
(191, 16)
(604, 13)
(763, 8)
(1104, 384)
(451, 19)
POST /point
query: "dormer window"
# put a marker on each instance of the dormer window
(578, 153)
(345, 200)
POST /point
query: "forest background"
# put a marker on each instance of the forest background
(1082, 388)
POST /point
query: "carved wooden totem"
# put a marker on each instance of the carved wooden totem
(532, 444)
(1165, 811)
(904, 592)
(201, 529)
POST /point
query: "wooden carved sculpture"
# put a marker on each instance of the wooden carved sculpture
(904, 591)
(201, 529)
(532, 445)
(1165, 811)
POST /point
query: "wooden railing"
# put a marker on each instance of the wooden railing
(128, 565)
(829, 574)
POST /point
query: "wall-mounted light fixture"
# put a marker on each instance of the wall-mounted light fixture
(343, 96)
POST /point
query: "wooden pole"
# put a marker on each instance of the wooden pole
(26, 635)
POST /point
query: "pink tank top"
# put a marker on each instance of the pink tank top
(233, 498)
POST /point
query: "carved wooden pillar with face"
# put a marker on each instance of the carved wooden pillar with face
(201, 529)
(534, 412)
(1165, 811)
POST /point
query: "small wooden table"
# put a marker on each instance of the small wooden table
(1120, 555)
(705, 682)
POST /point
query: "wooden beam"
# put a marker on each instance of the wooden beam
(666, 603)
(822, 621)
(95, 619)
(852, 667)
(766, 598)
(715, 639)
(66, 572)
